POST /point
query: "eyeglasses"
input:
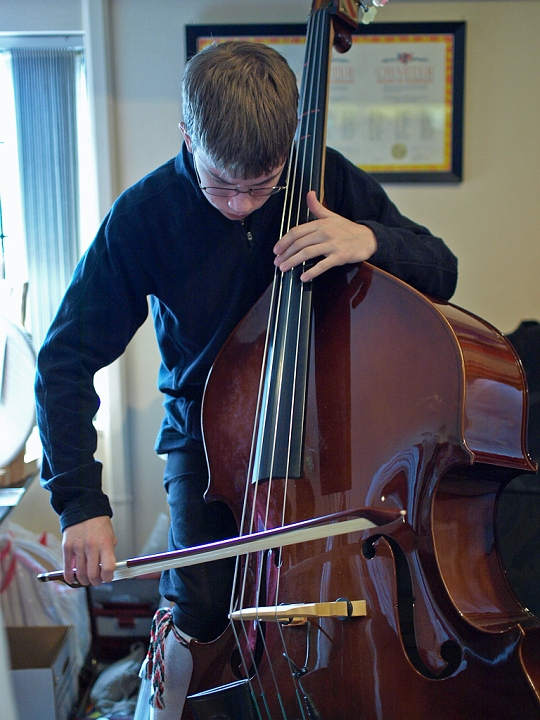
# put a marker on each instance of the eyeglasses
(231, 192)
(254, 192)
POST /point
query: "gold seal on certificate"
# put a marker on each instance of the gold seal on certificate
(399, 151)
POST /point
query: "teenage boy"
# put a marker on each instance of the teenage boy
(199, 238)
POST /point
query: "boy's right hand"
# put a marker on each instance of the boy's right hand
(88, 548)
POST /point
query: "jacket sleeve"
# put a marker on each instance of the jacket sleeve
(405, 249)
(103, 306)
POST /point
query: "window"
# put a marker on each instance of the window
(45, 170)
(13, 263)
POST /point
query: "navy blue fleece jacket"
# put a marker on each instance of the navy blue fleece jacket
(162, 240)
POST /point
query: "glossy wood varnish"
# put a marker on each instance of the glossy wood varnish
(411, 405)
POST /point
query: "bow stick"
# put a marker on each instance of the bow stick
(341, 523)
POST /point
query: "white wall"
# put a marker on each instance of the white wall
(490, 220)
(39, 16)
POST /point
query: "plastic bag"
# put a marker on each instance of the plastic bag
(116, 688)
(27, 602)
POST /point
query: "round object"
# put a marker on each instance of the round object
(17, 405)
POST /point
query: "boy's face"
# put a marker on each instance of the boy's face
(239, 206)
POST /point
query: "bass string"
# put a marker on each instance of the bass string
(300, 179)
(305, 162)
(308, 141)
(299, 167)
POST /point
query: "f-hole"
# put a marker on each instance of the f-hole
(449, 651)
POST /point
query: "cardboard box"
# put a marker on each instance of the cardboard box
(43, 670)
(17, 471)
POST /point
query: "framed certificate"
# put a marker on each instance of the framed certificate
(395, 98)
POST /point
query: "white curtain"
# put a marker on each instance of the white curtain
(45, 82)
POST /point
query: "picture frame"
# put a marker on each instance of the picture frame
(396, 98)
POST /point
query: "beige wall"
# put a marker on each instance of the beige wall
(490, 220)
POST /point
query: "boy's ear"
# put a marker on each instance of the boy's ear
(187, 139)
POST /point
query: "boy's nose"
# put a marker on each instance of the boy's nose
(242, 203)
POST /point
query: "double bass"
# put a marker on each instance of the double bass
(356, 393)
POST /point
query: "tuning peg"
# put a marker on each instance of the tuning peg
(369, 15)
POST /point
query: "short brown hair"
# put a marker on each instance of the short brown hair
(240, 106)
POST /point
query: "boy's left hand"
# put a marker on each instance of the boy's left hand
(338, 240)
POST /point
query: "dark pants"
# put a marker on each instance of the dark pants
(201, 593)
